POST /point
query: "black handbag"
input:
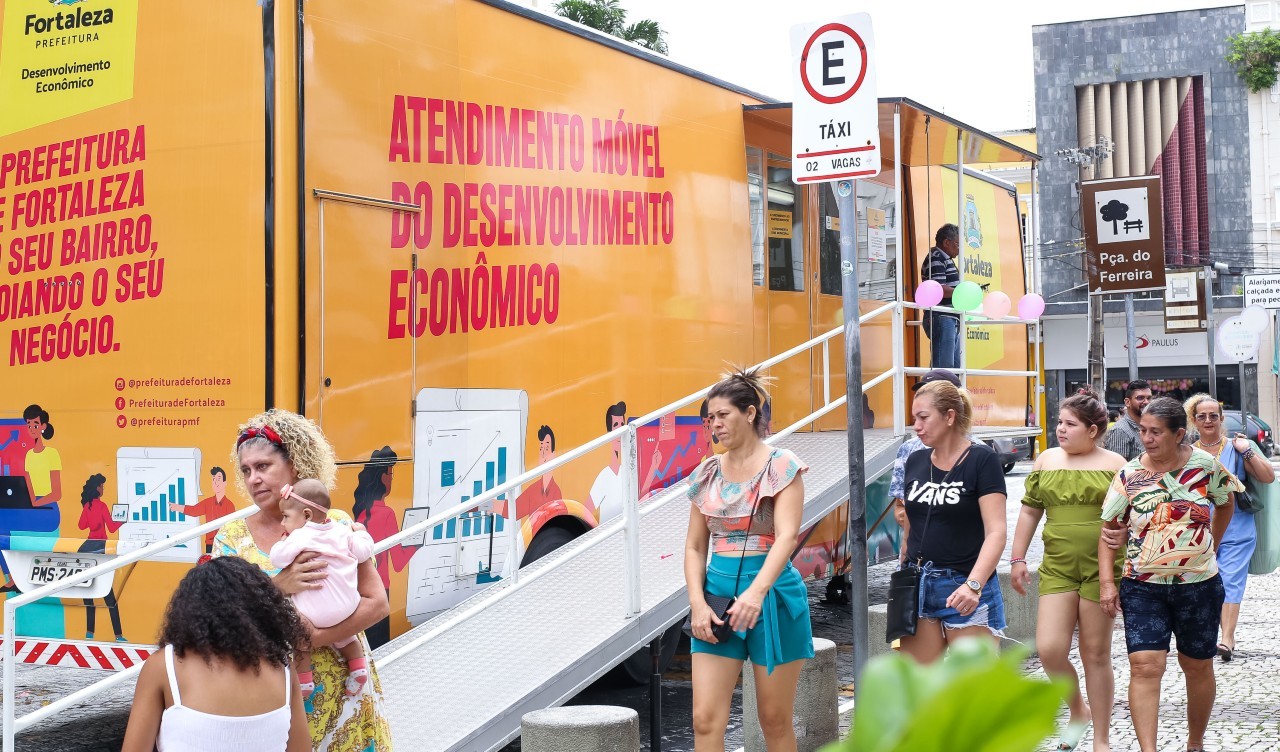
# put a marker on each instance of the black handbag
(904, 602)
(720, 604)
(903, 611)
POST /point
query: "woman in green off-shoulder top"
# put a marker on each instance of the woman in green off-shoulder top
(1068, 486)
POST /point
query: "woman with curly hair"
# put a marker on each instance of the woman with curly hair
(275, 449)
(222, 681)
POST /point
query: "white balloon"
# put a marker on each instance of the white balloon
(1255, 318)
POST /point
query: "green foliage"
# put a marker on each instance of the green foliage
(1254, 55)
(976, 700)
(610, 17)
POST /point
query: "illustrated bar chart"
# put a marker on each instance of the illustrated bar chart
(157, 510)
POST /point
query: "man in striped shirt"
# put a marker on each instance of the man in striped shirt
(943, 329)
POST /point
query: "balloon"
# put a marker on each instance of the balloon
(1030, 306)
(928, 294)
(967, 296)
(1256, 318)
(996, 305)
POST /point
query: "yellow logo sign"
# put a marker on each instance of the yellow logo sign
(63, 57)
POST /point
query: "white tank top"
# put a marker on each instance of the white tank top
(185, 730)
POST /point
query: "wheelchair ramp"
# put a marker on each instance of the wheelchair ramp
(463, 680)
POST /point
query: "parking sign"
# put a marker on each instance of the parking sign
(835, 132)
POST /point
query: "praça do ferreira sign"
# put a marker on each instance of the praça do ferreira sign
(1123, 234)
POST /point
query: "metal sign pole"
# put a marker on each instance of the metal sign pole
(1131, 337)
(1209, 330)
(860, 598)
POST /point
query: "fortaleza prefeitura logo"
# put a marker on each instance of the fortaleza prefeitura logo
(74, 20)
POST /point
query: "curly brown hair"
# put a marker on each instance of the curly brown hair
(301, 441)
(228, 608)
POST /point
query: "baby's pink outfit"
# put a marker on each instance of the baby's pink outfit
(338, 594)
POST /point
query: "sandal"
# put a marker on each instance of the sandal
(1071, 735)
(1226, 654)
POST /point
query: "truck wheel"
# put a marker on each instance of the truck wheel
(637, 668)
(547, 540)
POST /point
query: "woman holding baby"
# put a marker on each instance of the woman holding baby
(275, 450)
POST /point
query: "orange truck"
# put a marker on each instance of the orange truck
(459, 235)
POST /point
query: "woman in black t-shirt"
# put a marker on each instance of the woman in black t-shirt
(954, 495)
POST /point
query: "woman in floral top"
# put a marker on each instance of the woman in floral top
(1171, 584)
(277, 448)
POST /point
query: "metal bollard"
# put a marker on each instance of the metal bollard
(581, 728)
(816, 721)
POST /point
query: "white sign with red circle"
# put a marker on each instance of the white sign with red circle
(835, 133)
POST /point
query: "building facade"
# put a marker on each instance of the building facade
(1158, 88)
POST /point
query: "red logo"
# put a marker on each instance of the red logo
(1142, 342)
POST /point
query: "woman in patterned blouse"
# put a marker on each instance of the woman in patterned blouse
(1171, 585)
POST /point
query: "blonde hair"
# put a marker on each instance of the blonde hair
(302, 443)
(946, 396)
(1193, 403)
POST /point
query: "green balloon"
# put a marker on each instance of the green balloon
(967, 296)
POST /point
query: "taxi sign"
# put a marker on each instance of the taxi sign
(835, 133)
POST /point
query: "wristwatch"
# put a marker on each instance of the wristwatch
(974, 585)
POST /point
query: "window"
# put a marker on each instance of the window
(755, 212)
(785, 227)
(875, 277)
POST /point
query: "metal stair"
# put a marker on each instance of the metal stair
(462, 680)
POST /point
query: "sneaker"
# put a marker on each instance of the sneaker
(120, 638)
(88, 635)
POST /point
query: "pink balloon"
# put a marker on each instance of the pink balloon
(996, 305)
(928, 294)
(1031, 306)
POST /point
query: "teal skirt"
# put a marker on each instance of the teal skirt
(782, 634)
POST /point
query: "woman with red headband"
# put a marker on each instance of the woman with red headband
(275, 449)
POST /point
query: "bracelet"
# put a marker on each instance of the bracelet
(1017, 560)
(1248, 454)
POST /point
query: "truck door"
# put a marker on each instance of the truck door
(366, 353)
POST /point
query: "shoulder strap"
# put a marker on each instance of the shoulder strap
(742, 558)
(929, 514)
(288, 684)
(173, 677)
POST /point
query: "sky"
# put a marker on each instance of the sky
(972, 60)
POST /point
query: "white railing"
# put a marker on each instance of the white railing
(12, 724)
(629, 527)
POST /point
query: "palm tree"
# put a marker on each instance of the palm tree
(610, 17)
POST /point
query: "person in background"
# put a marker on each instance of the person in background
(956, 529)
(943, 329)
(1069, 484)
(1125, 438)
(910, 446)
(1112, 417)
(747, 504)
(95, 517)
(1242, 458)
(1165, 500)
(222, 681)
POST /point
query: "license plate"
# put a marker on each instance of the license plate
(51, 569)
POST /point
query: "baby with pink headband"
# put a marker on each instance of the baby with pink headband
(305, 507)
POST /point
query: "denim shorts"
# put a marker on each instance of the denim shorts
(938, 583)
(1191, 612)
